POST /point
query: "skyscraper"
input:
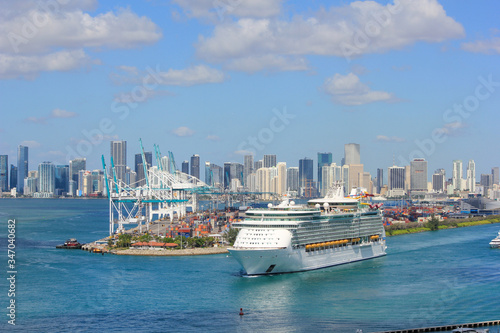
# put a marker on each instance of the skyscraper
(352, 154)
(4, 173)
(13, 176)
(227, 174)
(457, 175)
(269, 161)
(439, 181)
(139, 167)
(22, 167)
(185, 167)
(247, 168)
(396, 181)
(471, 176)
(495, 174)
(281, 178)
(323, 159)
(292, 179)
(118, 150)
(380, 179)
(236, 172)
(306, 176)
(195, 166)
(418, 170)
(257, 165)
(75, 166)
(47, 179)
(61, 179)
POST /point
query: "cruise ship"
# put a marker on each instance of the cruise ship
(326, 232)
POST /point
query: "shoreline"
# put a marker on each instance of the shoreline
(172, 253)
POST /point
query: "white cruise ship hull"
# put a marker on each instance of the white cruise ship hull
(287, 260)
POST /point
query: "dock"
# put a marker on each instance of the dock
(447, 327)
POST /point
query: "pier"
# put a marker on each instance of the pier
(446, 328)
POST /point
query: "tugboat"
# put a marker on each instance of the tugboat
(71, 244)
(495, 242)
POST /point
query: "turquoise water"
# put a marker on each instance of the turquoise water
(427, 279)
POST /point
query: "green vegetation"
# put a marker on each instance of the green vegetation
(435, 224)
(230, 235)
(126, 240)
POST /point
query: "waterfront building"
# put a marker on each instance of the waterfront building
(418, 170)
(22, 167)
(118, 151)
(247, 168)
(258, 164)
(352, 154)
(13, 176)
(4, 173)
(306, 177)
(324, 159)
(47, 179)
(380, 180)
(495, 174)
(195, 166)
(263, 182)
(292, 179)
(98, 182)
(61, 179)
(269, 161)
(75, 166)
(31, 185)
(185, 167)
(354, 171)
(439, 181)
(471, 176)
(281, 187)
(330, 174)
(457, 175)
(396, 181)
(236, 172)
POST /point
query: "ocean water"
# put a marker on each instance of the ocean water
(427, 279)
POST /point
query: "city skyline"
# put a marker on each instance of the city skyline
(404, 79)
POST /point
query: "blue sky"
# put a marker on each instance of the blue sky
(403, 79)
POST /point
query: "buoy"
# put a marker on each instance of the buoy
(241, 312)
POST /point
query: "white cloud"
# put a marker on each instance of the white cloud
(191, 76)
(349, 90)
(452, 128)
(268, 62)
(143, 96)
(488, 46)
(58, 113)
(31, 144)
(28, 67)
(243, 152)
(36, 120)
(362, 27)
(213, 138)
(183, 131)
(219, 10)
(389, 139)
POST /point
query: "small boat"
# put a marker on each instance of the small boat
(71, 244)
(495, 242)
(469, 330)
(96, 250)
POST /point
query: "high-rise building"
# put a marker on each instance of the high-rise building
(352, 154)
(118, 151)
(355, 170)
(418, 169)
(306, 177)
(4, 173)
(139, 166)
(281, 178)
(457, 175)
(247, 168)
(439, 181)
(195, 166)
(236, 172)
(257, 165)
(380, 179)
(75, 166)
(471, 176)
(47, 179)
(486, 182)
(495, 174)
(185, 167)
(61, 179)
(323, 159)
(330, 174)
(13, 176)
(269, 161)
(227, 174)
(22, 167)
(292, 179)
(213, 174)
(396, 181)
